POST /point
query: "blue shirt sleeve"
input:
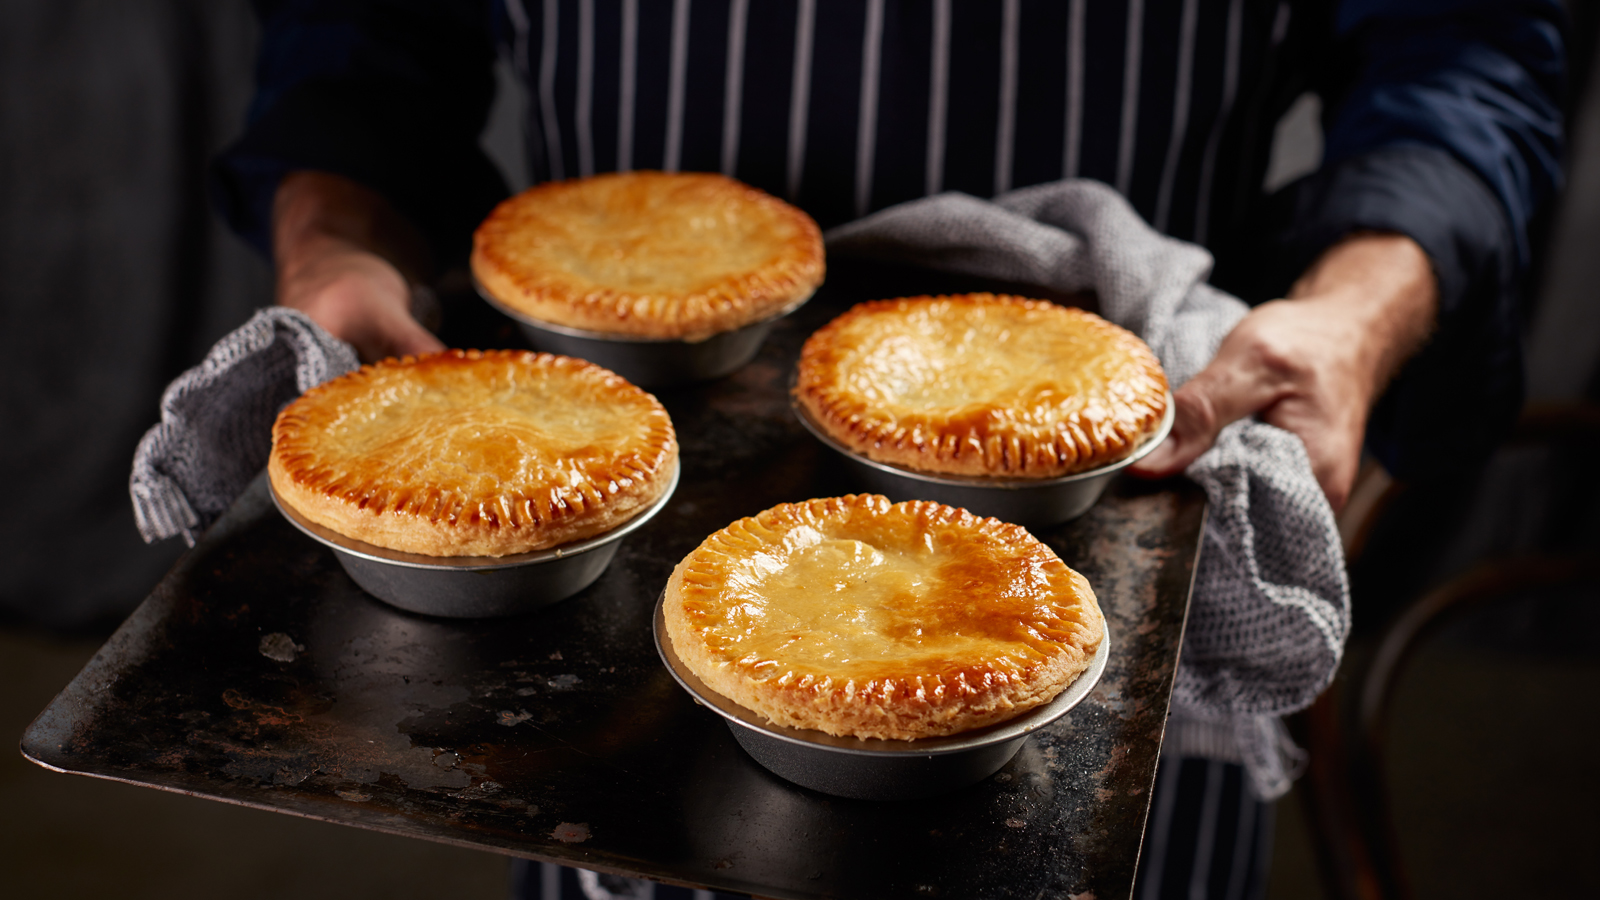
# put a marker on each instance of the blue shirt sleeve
(1443, 122)
(390, 93)
(1482, 81)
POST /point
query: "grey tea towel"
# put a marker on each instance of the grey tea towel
(1271, 605)
(216, 420)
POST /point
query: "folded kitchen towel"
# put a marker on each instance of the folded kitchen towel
(1271, 604)
(216, 420)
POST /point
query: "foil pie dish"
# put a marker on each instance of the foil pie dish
(1031, 503)
(650, 363)
(475, 586)
(877, 769)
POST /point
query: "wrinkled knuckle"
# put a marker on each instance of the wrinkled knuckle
(1275, 357)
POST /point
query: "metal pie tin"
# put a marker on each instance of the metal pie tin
(647, 362)
(468, 587)
(1029, 502)
(874, 769)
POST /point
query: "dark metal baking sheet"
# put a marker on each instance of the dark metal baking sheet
(257, 673)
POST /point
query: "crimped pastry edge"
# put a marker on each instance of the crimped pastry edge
(734, 302)
(885, 709)
(934, 444)
(544, 522)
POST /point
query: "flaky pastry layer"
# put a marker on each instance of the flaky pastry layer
(648, 254)
(858, 617)
(469, 453)
(978, 384)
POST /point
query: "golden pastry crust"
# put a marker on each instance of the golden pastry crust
(854, 616)
(469, 453)
(978, 384)
(648, 254)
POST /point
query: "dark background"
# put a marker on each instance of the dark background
(115, 277)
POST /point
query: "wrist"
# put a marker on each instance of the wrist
(314, 255)
(318, 216)
(1384, 288)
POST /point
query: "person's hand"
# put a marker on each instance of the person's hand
(1314, 363)
(347, 259)
(359, 297)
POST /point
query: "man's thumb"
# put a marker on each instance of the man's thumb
(1194, 430)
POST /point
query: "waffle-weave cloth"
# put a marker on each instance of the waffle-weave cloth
(216, 420)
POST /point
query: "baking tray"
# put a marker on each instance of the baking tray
(259, 673)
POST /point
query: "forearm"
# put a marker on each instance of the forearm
(1385, 287)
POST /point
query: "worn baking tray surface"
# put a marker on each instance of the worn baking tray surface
(257, 673)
